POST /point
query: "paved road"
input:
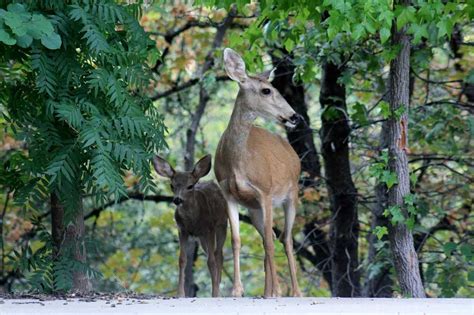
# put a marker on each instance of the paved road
(293, 306)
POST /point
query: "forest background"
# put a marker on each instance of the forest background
(90, 90)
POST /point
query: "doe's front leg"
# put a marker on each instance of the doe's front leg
(233, 213)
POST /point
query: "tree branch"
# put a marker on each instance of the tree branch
(433, 82)
(137, 196)
(443, 225)
(184, 86)
(203, 93)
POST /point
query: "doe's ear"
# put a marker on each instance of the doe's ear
(234, 66)
(202, 167)
(162, 167)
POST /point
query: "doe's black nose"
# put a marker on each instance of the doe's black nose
(296, 118)
(177, 201)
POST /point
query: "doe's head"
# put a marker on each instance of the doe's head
(261, 97)
(182, 183)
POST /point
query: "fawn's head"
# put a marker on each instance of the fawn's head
(260, 96)
(182, 183)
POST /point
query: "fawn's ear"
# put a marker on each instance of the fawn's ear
(234, 66)
(268, 75)
(202, 167)
(162, 167)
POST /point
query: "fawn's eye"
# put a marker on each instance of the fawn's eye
(172, 187)
(266, 91)
(190, 187)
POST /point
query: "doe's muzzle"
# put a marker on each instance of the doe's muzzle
(296, 119)
(292, 121)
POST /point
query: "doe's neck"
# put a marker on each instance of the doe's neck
(241, 122)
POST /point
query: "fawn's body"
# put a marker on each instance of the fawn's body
(201, 212)
(258, 169)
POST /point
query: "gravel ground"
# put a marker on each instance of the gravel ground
(294, 306)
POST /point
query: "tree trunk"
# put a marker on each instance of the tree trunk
(57, 224)
(344, 232)
(69, 240)
(300, 138)
(401, 239)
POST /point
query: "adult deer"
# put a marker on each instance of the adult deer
(201, 212)
(258, 169)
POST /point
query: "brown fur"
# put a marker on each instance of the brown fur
(258, 169)
(202, 213)
(270, 163)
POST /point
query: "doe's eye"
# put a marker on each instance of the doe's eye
(266, 91)
(190, 187)
(172, 187)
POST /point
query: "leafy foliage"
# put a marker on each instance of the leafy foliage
(79, 105)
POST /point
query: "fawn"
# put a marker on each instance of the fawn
(201, 212)
(258, 169)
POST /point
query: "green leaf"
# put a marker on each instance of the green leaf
(395, 214)
(24, 41)
(358, 32)
(409, 199)
(16, 18)
(466, 250)
(410, 222)
(418, 32)
(370, 26)
(289, 44)
(384, 109)
(389, 178)
(380, 231)
(52, 41)
(445, 27)
(399, 111)
(384, 35)
(6, 38)
(235, 39)
(405, 14)
(40, 26)
(360, 114)
(16, 8)
(448, 248)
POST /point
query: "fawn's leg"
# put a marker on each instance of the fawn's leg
(183, 237)
(208, 243)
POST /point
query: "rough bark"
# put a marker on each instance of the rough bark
(300, 138)
(192, 245)
(344, 230)
(401, 239)
(68, 239)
